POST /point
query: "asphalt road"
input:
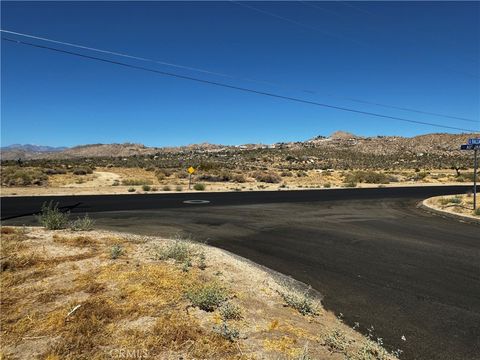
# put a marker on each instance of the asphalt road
(374, 256)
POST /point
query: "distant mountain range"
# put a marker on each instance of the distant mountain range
(442, 144)
(32, 148)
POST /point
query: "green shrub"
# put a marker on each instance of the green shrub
(178, 250)
(178, 188)
(227, 332)
(476, 211)
(199, 187)
(51, 217)
(166, 188)
(82, 224)
(116, 251)
(230, 311)
(451, 200)
(336, 341)
(146, 188)
(131, 189)
(327, 185)
(207, 297)
(300, 301)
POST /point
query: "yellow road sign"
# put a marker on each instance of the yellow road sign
(191, 170)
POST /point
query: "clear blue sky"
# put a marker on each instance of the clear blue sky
(422, 55)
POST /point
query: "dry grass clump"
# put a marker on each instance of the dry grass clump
(182, 251)
(137, 182)
(80, 241)
(267, 177)
(85, 223)
(207, 297)
(300, 301)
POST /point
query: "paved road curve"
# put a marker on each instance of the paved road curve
(374, 256)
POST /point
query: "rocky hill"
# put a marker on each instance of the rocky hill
(432, 144)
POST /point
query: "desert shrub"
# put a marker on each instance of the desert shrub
(286, 174)
(54, 171)
(420, 176)
(369, 177)
(116, 183)
(300, 301)
(476, 211)
(178, 188)
(230, 311)
(208, 296)
(221, 177)
(136, 182)
(466, 177)
(182, 174)
(18, 176)
(178, 250)
(131, 189)
(51, 217)
(350, 184)
(301, 174)
(146, 187)
(166, 188)
(227, 332)
(199, 187)
(239, 178)
(82, 224)
(116, 251)
(82, 171)
(336, 341)
(202, 264)
(456, 200)
(267, 177)
(327, 185)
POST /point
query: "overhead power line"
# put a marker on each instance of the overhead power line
(229, 76)
(269, 94)
(306, 26)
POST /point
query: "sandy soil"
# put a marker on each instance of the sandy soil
(66, 296)
(210, 187)
(461, 204)
(109, 181)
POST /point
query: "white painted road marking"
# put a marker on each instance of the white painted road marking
(196, 202)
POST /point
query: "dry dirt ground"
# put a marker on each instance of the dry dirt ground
(111, 181)
(103, 295)
(461, 204)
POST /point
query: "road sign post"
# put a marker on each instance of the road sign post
(475, 165)
(473, 144)
(190, 170)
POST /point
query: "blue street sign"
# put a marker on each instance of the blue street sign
(474, 141)
(470, 147)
